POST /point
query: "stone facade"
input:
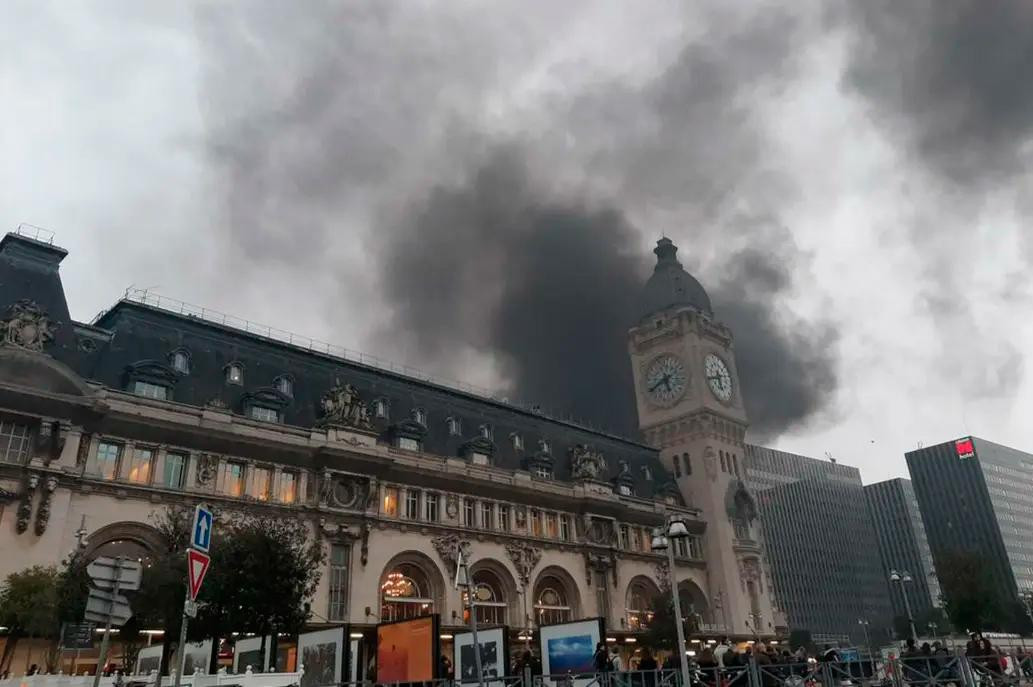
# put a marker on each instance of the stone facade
(105, 425)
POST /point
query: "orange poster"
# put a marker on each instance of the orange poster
(405, 651)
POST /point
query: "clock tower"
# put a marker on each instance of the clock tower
(690, 408)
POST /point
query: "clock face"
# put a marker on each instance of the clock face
(719, 379)
(666, 379)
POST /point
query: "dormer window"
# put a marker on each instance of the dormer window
(518, 441)
(455, 427)
(419, 415)
(264, 414)
(235, 373)
(544, 447)
(543, 472)
(380, 408)
(180, 362)
(624, 490)
(485, 431)
(285, 385)
(647, 474)
(478, 458)
(150, 390)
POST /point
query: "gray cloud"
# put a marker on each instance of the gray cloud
(529, 244)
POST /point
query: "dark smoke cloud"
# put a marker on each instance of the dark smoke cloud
(529, 245)
(952, 76)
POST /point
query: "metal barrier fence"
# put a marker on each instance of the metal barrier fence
(921, 671)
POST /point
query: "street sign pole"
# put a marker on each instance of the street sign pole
(200, 543)
(182, 661)
(106, 641)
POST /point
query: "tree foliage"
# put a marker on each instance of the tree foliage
(662, 633)
(29, 606)
(970, 598)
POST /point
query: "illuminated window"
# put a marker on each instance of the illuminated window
(234, 373)
(391, 501)
(262, 484)
(551, 528)
(536, 523)
(490, 604)
(639, 607)
(430, 507)
(14, 442)
(288, 487)
(233, 478)
(405, 593)
(470, 513)
(504, 517)
(340, 556)
(140, 466)
(412, 504)
(551, 605)
(107, 459)
(175, 469)
(487, 513)
(148, 390)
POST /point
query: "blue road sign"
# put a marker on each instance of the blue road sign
(201, 538)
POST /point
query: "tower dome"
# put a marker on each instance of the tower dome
(671, 286)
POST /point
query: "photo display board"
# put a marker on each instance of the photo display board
(569, 648)
(407, 650)
(494, 643)
(323, 655)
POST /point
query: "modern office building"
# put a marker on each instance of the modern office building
(976, 496)
(821, 544)
(893, 510)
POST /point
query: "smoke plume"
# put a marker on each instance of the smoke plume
(507, 205)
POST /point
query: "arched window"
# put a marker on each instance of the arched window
(234, 373)
(550, 603)
(285, 385)
(455, 427)
(640, 605)
(490, 602)
(180, 361)
(405, 593)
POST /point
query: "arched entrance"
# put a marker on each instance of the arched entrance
(640, 603)
(410, 586)
(497, 601)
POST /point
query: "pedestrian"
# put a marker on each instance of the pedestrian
(721, 650)
(33, 669)
(647, 664)
(601, 659)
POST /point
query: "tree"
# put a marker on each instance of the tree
(662, 633)
(264, 574)
(969, 596)
(29, 607)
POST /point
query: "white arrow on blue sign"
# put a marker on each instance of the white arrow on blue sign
(201, 538)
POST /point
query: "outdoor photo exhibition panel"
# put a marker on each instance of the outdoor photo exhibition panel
(494, 643)
(407, 650)
(569, 648)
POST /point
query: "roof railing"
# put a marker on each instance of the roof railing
(154, 300)
(31, 231)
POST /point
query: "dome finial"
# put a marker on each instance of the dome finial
(666, 251)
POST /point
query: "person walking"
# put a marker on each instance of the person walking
(720, 651)
(648, 667)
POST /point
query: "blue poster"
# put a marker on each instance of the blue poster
(571, 654)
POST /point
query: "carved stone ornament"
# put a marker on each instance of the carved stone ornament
(452, 506)
(343, 406)
(749, 571)
(521, 516)
(25, 505)
(216, 403)
(338, 490)
(525, 557)
(585, 463)
(50, 441)
(43, 514)
(26, 326)
(448, 547)
(84, 450)
(364, 550)
(662, 572)
(207, 464)
(600, 531)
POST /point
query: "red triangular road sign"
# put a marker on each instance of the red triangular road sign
(197, 566)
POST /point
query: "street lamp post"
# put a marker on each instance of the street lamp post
(663, 538)
(867, 640)
(901, 578)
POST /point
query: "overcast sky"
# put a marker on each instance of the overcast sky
(475, 188)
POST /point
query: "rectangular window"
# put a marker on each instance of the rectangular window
(487, 513)
(470, 513)
(264, 414)
(14, 442)
(735, 464)
(262, 484)
(680, 547)
(565, 527)
(624, 540)
(536, 523)
(408, 444)
(677, 465)
(288, 487)
(175, 469)
(156, 391)
(412, 504)
(140, 466)
(430, 507)
(340, 555)
(695, 547)
(107, 459)
(551, 528)
(504, 517)
(233, 478)
(688, 464)
(391, 501)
